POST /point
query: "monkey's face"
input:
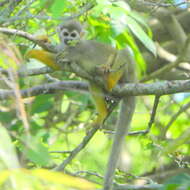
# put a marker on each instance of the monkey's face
(69, 36)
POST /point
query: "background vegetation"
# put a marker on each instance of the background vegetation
(45, 116)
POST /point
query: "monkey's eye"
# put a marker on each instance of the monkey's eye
(65, 33)
(73, 34)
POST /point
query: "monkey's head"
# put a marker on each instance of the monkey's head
(70, 31)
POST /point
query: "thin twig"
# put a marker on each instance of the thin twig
(153, 114)
(76, 150)
(175, 116)
(24, 8)
(159, 4)
(61, 152)
(143, 132)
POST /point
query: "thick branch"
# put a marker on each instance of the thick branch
(157, 88)
(46, 89)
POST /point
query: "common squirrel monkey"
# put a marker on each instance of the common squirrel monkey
(104, 61)
(95, 58)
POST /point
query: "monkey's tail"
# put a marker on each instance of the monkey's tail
(122, 127)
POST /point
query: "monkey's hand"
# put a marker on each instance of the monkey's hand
(103, 69)
(61, 58)
(106, 68)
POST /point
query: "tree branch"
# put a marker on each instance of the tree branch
(157, 88)
(174, 118)
(46, 89)
(183, 57)
(45, 45)
(76, 150)
(137, 187)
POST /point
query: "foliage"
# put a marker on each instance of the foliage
(17, 178)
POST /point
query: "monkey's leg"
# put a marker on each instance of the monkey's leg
(43, 56)
(113, 78)
(100, 103)
(116, 71)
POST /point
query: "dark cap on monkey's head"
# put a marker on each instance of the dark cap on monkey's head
(71, 25)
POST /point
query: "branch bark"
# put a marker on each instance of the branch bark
(45, 45)
(157, 88)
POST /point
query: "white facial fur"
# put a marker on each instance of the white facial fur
(66, 35)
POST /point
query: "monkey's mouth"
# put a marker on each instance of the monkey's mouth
(67, 41)
(71, 42)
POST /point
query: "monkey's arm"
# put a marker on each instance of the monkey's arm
(122, 126)
(43, 56)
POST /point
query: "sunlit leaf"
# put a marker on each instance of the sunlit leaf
(4, 175)
(9, 54)
(42, 103)
(61, 178)
(8, 155)
(140, 19)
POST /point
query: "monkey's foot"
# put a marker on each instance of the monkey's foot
(104, 69)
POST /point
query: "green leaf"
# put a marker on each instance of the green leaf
(6, 116)
(181, 181)
(2, 61)
(126, 38)
(58, 7)
(141, 35)
(42, 103)
(36, 152)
